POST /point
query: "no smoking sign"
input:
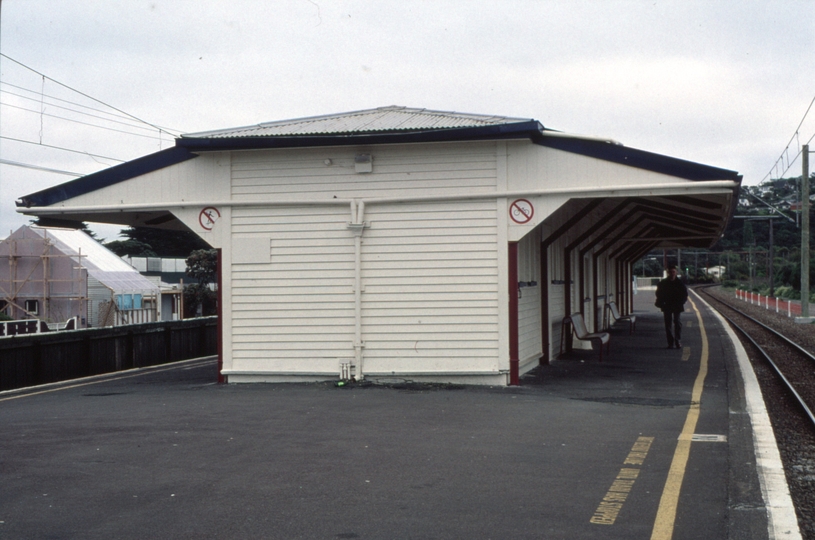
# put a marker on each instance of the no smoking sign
(207, 217)
(521, 211)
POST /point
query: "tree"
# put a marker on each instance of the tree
(132, 248)
(202, 265)
(743, 236)
(748, 238)
(199, 301)
(164, 243)
(45, 221)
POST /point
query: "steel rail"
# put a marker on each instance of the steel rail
(766, 355)
(768, 328)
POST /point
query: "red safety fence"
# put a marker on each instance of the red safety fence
(792, 308)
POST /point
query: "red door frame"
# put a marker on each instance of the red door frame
(514, 347)
(220, 300)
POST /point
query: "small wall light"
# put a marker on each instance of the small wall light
(363, 163)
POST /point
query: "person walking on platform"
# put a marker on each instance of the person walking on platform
(671, 297)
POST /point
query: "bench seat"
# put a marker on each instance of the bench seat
(578, 325)
(611, 308)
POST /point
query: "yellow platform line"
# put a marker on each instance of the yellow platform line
(666, 514)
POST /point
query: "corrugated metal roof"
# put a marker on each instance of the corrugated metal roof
(382, 119)
(102, 264)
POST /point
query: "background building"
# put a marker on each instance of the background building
(55, 274)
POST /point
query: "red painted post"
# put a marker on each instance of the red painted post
(514, 361)
(220, 300)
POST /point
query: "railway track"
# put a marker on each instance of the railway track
(794, 365)
(781, 353)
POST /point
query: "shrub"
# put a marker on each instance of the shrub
(785, 291)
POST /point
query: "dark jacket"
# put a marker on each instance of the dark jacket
(671, 295)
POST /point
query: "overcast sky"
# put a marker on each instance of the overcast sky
(723, 83)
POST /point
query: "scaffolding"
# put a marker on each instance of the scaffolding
(41, 282)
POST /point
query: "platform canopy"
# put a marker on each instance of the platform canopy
(687, 204)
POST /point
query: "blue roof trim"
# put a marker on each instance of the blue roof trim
(186, 148)
(107, 177)
(516, 130)
(639, 159)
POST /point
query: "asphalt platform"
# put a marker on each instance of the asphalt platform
(580, 450)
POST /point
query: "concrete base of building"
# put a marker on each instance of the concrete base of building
(488, 378)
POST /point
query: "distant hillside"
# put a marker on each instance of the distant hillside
(744, 248)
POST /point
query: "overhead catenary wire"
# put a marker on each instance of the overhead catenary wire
(37, 167)
(770, 206)
(85, 95)
(39, 113)
(790, 163)
(61, 148)
(74, 103)
(130, 123)
(785, 152)
(72, 111)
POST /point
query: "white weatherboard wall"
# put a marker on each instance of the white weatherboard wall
(556, 283)
(204, 177)
(431, 293)
(529, 161)
(297, 307)
(557, 302)
(429, 269)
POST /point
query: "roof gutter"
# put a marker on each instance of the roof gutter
(643, 190)
(516, 130)
(561, 135)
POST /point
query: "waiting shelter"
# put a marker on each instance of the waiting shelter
(407, 243)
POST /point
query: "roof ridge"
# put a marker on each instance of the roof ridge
(379, 119)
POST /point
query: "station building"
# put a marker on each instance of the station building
(407, 243)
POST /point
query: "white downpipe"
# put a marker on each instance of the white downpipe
(361, 212)
(357, 226)
(358, 305)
